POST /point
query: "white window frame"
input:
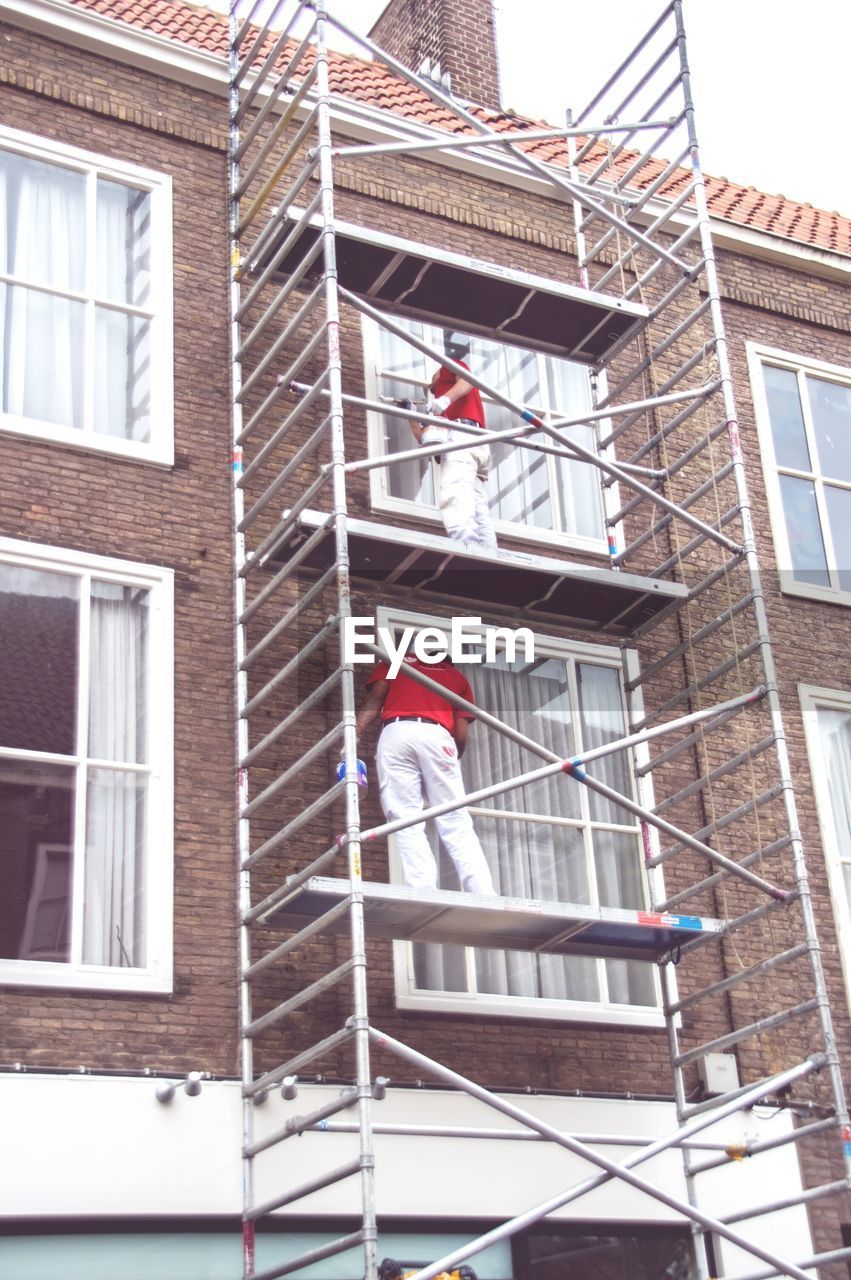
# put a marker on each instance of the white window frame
(382, 500)
(814, 698)
(759, 355)
(156, 976)
(160, 448)
(478, 1004)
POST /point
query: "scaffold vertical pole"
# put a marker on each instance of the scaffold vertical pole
(338, 459)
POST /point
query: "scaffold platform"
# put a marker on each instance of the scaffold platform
(429, 564)
(462, 292)
(512, 924)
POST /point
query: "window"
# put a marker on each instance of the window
(85, 299)
(553, 841)
(827, 721)
(804, 415)
(85, 772)
(649, 1253)
(533, 495)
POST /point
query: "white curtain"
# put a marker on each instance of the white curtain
(559, 863)
(617, 864)
(115, 910)
(835, 730)
(122, 341)
(41, 334)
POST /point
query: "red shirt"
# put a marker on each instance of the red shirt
(406, 697)
(467, 406)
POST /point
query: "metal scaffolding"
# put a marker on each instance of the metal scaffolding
(682, 593)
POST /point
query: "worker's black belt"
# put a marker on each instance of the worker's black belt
(421, 719)
(467, 422)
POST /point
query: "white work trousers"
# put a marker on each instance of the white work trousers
(417, 760)
(464, 489)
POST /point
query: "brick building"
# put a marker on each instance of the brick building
(657, 566)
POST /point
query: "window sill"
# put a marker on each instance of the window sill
(61, 978)
(521, 1007)
(108, 446)
(825, 595)
(519, 535)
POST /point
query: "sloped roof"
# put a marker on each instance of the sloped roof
(372, 83)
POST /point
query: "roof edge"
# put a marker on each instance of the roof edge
(184, 63)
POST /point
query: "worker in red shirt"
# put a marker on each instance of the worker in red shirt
(422, 737)
(463, 495)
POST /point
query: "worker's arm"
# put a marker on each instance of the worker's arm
(437, 407)
(459, 732)
(371, 709)
(459, 388)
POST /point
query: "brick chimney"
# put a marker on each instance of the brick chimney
(453, 42)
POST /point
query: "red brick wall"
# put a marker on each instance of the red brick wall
(173, 517)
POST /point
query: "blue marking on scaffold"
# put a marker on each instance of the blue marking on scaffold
(687, 922)
(573, 766)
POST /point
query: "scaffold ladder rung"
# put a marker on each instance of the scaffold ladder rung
(295, 1064)
(322, 924)
(762, 1025)
(328, 1179)
(298, 1125)
(340, 1245)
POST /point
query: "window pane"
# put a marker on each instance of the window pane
(620, 876)
(652, 1255)
(521, 973)
(787, 421)
(41, 356)
(514, 371)
(579, 481)
(122, 375)
(580, 490)
(803, 529)
(602, 722)
(519, 488)
(399, 359)
(830, 404)
(114, 908)
(43, 208)
(839, 517)
(631, 982)
(440, 967)
(123, 243)
(411, 479)
(38, 659)
(835, 733)
(118, 721)
(404, 377)
(36, 838)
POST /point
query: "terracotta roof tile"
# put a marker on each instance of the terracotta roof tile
(372, 83)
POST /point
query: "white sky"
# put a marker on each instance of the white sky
(770, 78)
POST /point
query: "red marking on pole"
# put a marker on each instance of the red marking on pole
(248, 1248)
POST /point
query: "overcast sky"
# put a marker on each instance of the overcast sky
(770, 78)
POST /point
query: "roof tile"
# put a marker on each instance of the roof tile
(372, 83)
